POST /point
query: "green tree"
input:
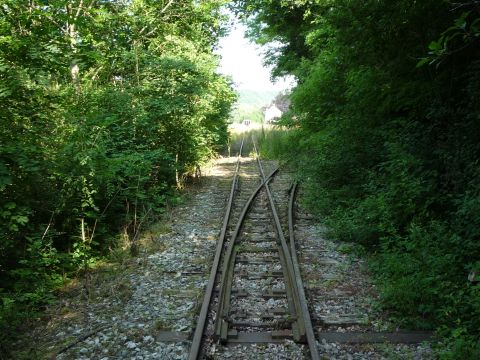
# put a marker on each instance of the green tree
(102, 104)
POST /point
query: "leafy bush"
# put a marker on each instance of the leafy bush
(99, 125)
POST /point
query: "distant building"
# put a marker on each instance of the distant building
(272, 113)
(282, 101)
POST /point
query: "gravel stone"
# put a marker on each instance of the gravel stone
(162, 289)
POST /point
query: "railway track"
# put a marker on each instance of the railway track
(255, 293)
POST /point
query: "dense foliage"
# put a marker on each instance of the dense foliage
(387, 121)
(105, 107)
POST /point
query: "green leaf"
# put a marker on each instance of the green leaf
(422, 62)
(435, 46)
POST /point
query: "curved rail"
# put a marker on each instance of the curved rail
(312, 342)
(302, 327)
(197, 337)
(221, 325)
(299, 334)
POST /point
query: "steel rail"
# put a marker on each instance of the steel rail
(311, 340)
(202, 318)
(290, 278)
(221, 324)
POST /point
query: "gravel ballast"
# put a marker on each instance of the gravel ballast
(119, 310)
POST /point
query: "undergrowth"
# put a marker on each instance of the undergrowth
(419, 263)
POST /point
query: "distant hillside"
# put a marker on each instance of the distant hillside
(250, 103)
(255, 98)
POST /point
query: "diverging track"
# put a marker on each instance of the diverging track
(255, 293)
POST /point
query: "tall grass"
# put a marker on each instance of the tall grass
(276, 143)
(272, 141)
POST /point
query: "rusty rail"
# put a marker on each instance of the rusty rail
(299, 330)
(312, 343)
(198, 334)
(302, 326)
(221, 324)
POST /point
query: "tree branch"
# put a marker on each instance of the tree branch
(166, 7)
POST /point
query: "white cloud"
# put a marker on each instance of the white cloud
(243, 61)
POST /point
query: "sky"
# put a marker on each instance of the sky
(243, 61)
